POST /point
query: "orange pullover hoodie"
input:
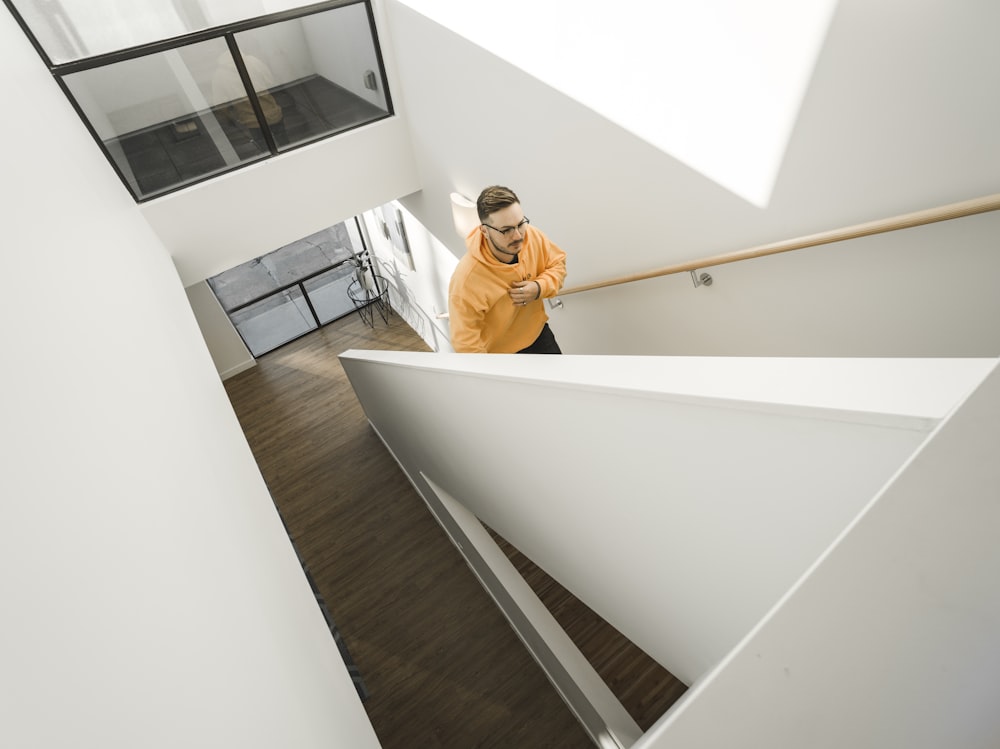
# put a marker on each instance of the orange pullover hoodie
(482, 316)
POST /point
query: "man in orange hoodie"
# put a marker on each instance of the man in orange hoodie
(495, 295)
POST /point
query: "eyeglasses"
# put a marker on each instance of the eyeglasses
(509, 231)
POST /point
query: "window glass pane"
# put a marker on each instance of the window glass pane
(306, 256)
(271, 322)
(164, 120)
(328, 293)
(316, 75)
(281, 267)
(70, 30)
(172, 118)
(322, 262)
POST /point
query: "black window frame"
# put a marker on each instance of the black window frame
(227, 32)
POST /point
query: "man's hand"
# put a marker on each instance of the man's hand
(523, 292)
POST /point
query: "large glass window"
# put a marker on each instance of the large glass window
(183, 109)
(315, 76)
(162, 118)
(274, 321)
(291, 291)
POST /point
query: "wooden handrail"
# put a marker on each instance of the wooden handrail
(905, 221)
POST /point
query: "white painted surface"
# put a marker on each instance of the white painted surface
(418, 294)
(602, 715)
(150, 594)
(647, 67)
(340, 44)
(894, 120)
(156, 88)
(891, 641)
(219, 224)
(597, 469)
(902, 392)
(229, 353)
(109, 25)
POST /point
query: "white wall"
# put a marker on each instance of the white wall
(130, 95)
(679, 498)
(219, 224)
(418, 294)
(229, 352)
(341, 48)
(151, 596)
(891, 640)
(150, 90)
(283, 49)
(894, 120)
(925, 291)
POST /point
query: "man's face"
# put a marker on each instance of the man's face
(509, 244)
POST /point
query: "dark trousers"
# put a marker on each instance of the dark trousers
(544, 344)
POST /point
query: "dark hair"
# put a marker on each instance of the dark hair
(494, 199)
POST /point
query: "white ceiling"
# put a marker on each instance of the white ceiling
(716, 84)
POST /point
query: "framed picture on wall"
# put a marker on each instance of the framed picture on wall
(394, 229)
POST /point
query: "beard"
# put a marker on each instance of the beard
(509, 249)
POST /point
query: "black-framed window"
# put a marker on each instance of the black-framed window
(73, 30)
(174, 112)
(278, 297)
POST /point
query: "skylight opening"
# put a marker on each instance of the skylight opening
(716, 84)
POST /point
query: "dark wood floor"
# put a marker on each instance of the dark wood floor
(441, 664)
